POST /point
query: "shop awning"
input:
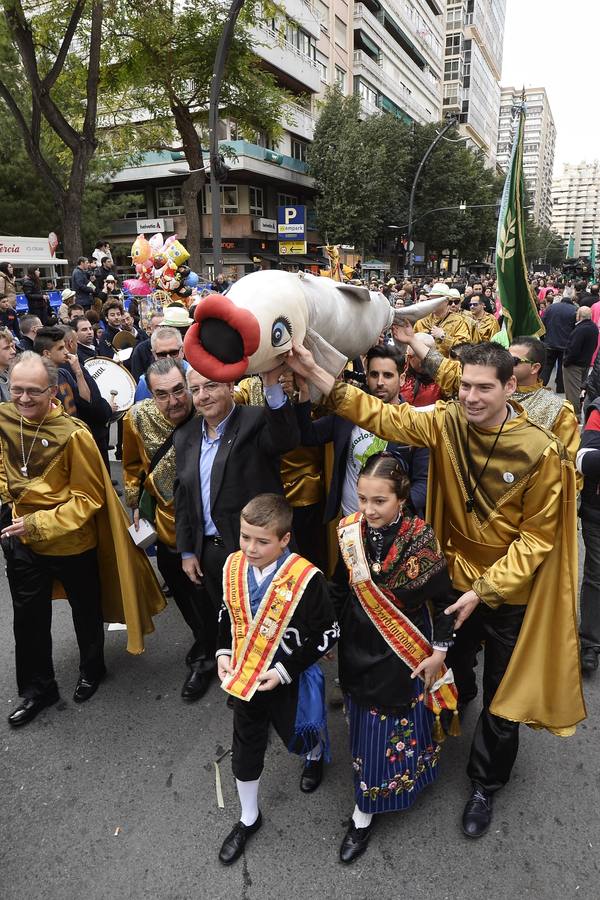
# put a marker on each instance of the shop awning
(270, 257)
(375, 264)
(37, 261)
(236, 259)
(304, 261)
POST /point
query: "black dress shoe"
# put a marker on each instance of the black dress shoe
(233, 845)
(312, 775)
(355, 842)
(195, 686)
(84, 689)
(30, 707)
(589, 660)
(477, 815)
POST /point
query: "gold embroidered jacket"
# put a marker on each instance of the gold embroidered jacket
(145, 429)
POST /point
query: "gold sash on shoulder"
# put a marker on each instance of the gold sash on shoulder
(256, 638)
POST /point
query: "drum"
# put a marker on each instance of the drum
(114, 382)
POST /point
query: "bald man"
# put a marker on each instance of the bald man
(578, 354)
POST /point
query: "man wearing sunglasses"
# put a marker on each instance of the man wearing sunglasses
(446, 324)
(166, 343)
(485, 324)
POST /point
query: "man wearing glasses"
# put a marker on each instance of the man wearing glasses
(446, 324)
(486, 325)
(61, 520)
(225, 456)
(149, 468)
(166, 343)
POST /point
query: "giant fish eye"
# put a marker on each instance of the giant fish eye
(281, 332)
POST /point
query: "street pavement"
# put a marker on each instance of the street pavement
(115, 798)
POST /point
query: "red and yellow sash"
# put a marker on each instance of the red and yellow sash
(256, 638)
(396, 629)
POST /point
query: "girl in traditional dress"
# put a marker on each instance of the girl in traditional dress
(394, 750)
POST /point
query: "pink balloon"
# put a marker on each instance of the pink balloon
(137, 286)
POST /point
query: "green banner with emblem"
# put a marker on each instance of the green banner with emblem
(518, 303)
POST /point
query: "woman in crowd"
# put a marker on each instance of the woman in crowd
(38, 303)
(8, 283)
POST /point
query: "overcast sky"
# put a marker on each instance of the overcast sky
(553, 45)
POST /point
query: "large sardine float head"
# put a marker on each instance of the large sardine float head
(246, 330)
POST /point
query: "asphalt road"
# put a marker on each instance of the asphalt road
(116, 798)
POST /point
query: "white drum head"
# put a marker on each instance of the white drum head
(114, 382)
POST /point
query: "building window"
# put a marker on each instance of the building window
(299, 149)
(367, 93)
(286, 200)
(453, 44)
(133, 204)
(340, 32)
(229, 198)
(340, 79)
(169, 201)
(257, 206)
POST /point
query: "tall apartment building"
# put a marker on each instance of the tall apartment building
(389, 52)
(472, 68)
(538, 149)
(576, 205)
(398, 57)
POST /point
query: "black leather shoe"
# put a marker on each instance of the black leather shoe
(195, 686)
(312, 775)
(84, 689)
(233, 845)
(30, 707)
(355, 842)
(478, 813)
(589, 660)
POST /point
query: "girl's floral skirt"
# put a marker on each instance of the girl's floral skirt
(394, 756)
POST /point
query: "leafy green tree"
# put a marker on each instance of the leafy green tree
(165, 53)
(359, 167)
(544, 245)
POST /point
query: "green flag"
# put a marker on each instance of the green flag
(593, 261)
(571, 247)
(518, 303)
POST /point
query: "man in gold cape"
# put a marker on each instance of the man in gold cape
(447, 326)
(542, 406)
(66, 524)
(502, 503)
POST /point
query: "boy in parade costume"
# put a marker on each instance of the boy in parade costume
(275, 623)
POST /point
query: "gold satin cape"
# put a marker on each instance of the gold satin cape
(70, 506)
(518, 546)
(456, 327)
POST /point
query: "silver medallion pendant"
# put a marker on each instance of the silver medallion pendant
(24, 472)
(376, 567)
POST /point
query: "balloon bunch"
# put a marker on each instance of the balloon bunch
(160, 264)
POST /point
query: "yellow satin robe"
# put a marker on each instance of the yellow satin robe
(70, 506)
(455, 326)
(518, 546)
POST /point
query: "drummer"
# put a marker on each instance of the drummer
(112, 321)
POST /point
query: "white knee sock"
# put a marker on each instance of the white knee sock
(361, 819)
(248, 794)
(315, 753)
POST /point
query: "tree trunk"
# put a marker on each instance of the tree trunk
(70, 212)
(192, 194)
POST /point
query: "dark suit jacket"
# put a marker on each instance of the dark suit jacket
(247, 463)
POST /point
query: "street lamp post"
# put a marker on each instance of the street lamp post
(411, 203)
(216, 165)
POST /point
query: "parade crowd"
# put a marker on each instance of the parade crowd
(419, 516)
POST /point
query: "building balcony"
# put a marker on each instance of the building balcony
(374, 74)
(299, 121)
(286, 59)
